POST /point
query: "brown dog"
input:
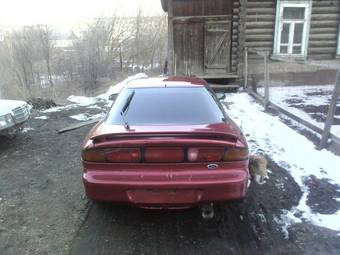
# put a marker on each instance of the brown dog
(258, 168)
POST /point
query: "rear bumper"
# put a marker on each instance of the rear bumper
(162, 188)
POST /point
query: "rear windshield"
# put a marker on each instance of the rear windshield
(165, 106)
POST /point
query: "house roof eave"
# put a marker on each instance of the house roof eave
(164, 5)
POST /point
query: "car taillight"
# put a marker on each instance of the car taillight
(93, 156)
(235, 154)
(123, 155)
(205, 154)
(164, 154)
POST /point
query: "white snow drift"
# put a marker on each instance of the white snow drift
(287, 148)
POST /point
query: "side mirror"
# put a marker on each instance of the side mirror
(220, 96)
(113, 97)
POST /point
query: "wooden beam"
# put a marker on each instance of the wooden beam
(171, 50)
(331, 112)
(219, 76)
(266, 81)
(306, 62)
(78, 125)
(245, 84)
(202, 17)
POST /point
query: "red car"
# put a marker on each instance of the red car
(166, 143)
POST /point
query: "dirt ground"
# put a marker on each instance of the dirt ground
(43, 209)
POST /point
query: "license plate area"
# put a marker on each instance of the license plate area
(157, 196)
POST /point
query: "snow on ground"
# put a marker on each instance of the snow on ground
(118, 87)
(82, 100)
(41, 117)
(85, 117)
(59, 108)
(317, 95)
(90, 102)
(26, 129)
(267, 134)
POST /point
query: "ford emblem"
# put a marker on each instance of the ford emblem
(212, 166)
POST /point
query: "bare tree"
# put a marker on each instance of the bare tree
(108, 47)
(46, 47)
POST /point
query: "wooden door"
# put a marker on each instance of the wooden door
(189, 47)
(217, 46)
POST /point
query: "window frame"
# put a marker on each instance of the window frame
(281, 4)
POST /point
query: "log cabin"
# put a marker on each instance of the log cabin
(208, 38)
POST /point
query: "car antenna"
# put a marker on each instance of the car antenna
(125, 110)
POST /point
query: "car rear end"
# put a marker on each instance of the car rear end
(166, 171)
(169, 146)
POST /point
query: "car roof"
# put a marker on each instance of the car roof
(174, 81)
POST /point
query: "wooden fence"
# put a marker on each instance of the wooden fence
(265, 100)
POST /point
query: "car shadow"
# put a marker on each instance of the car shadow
(249, 227)
(122, 229)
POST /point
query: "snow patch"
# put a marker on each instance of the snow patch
(26, 129)
(116, 89)
(85, 117)
(285, 220)
(94, 107)
(82, 100)
(267, 134)
(41, 117)
(59, 108)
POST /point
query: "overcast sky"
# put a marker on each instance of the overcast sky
(63, 12)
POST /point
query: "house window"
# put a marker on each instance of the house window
(292, 28)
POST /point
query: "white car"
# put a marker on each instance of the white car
(13, 114)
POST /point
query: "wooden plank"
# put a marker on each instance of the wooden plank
(323, 23)
(260, 4)
(268, 45)
(222, 86)
(306, 62)
(171, 50)
(245, 68)
(264, 17)
(325, 16)
(324, 50)
(259, 31)
(331, 112)
(78, 125)
(260, 11)
(218, 76)
(326, 37)
(320, 44)
(266, 81)
(201, 17)
(323, 30)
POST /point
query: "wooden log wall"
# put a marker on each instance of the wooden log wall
(202, 7)
(323, 37)
(260, 24)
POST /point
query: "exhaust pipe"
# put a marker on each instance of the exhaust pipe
(207, 211)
